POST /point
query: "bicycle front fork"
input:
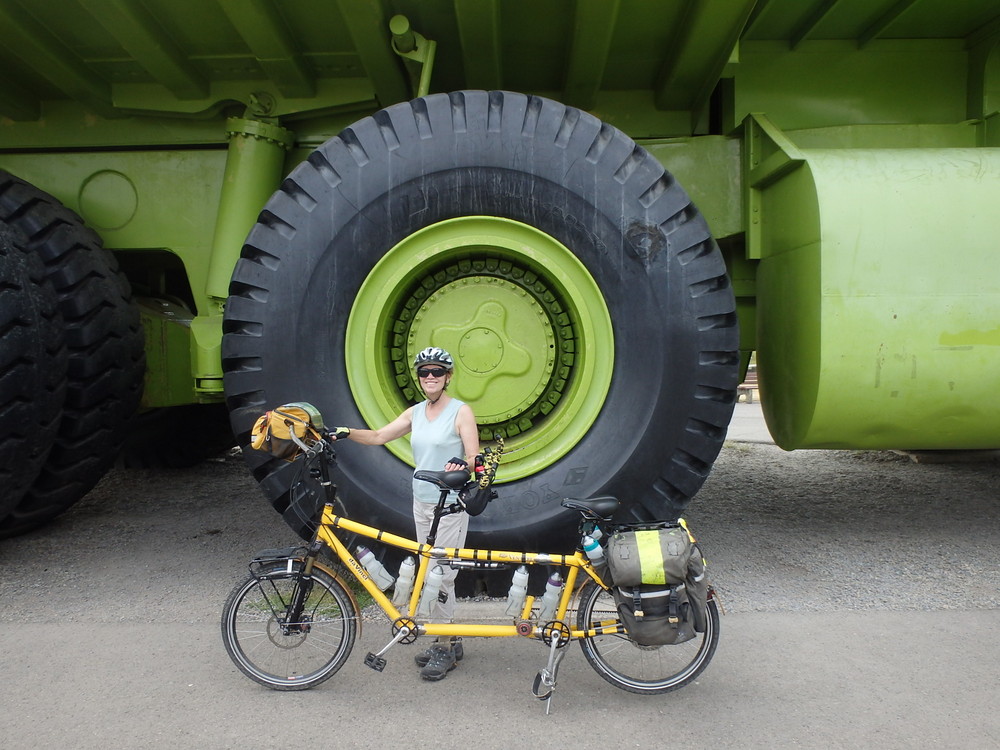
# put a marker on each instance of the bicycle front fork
(294, 622)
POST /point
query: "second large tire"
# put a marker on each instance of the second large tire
(105, 346)
(32, 368)
(578, 288)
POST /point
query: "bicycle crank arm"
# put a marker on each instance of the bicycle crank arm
(545, 680)
(377, 661)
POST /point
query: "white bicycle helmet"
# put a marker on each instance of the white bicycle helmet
(435, 355)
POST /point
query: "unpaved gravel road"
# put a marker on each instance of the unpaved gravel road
(862, 593)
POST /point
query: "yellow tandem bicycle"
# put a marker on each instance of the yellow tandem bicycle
(292, 623)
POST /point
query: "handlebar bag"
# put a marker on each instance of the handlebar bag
(473, 498)
(283, 431)
(479, 492)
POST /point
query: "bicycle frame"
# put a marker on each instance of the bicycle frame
(428, 555)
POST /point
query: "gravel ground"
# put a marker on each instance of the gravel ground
(809, 530)
(849, 530)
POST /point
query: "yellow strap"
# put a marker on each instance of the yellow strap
(260, 432)
(684, 526)
(650, 556)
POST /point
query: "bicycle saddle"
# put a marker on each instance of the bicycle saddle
(602, 507)
(444, 480)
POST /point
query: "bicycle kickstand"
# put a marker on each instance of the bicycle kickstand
(545, 680)
(377, 661)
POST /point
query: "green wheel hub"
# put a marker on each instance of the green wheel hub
(523, 318)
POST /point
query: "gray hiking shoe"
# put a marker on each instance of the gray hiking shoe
(442, 660)
(425, 656)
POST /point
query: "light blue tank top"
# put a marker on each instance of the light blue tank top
(433, 444)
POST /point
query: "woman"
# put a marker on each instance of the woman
(444, 429)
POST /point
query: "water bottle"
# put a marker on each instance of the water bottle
(597, 534)
(518, 592)
(593, 549)
(431, 588)
(375, 569)
(404, 582)
(550, 599)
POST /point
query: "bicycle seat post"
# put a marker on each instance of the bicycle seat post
(438, 512)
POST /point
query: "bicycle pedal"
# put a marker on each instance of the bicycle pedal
(375, 662)
(540, 688)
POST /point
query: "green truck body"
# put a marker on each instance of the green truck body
(844, 153)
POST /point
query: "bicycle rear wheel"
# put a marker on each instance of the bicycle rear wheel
(285, 655)
(646, 670)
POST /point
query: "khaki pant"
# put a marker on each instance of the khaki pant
(452, 531)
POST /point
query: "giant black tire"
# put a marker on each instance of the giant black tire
(32, 368)
(516, 199)
(106, 350)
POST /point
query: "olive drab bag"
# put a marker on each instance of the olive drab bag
(285, 431)
(659, 579)
(650, 554)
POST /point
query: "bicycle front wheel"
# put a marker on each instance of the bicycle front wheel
(278, 649)
(640, 669)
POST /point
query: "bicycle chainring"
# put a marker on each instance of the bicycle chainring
(405, 622)
(554, 629)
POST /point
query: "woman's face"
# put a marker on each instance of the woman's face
(433, 378)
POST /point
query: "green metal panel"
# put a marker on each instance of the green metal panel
(192, 58)
(877, 300)
(167, 328)
(820, 60)
(139, 200)
(835, 83)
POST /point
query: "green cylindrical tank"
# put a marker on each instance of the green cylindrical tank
(878, 300)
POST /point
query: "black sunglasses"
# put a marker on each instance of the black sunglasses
(431, 372)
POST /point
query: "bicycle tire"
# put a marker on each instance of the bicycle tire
(289, 659)
(646, 670)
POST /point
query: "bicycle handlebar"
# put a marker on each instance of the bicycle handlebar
(484, 471)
